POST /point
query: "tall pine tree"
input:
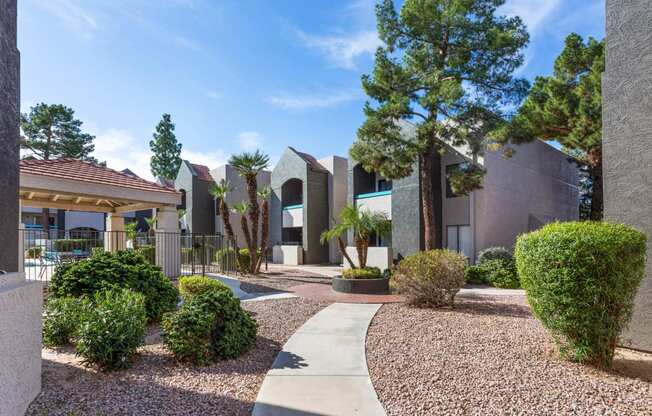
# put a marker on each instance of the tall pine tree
(51, 132)
(447, 67)
(567, 107)
(166, 160)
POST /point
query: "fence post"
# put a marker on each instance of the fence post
(168, 242)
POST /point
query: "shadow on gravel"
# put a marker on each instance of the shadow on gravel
(488, 307)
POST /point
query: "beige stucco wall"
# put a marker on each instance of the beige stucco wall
(20, 343)
(337, 192)
(536, 186)
(381, 257)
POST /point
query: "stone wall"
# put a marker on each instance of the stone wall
(9, 148)
(627, 126)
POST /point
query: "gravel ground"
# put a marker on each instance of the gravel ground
(490, 356)
(157, 385)
(279, 279)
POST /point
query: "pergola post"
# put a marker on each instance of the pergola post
(168, 241)
(115, 237)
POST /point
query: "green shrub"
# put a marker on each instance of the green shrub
(502, 273)
(110, 332)
(494, 253)
(430, 278)
(244, 260)
(123, 269)
(477, 275)
(148, 252)
(33, 252)
(366, 273)
(61, 320)
(225, 258)
(581, 279)
(193, 285)
(209, 327)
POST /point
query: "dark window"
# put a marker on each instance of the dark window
(384, 185)
(183, 199)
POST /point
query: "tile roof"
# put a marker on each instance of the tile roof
(310, 160)
(202, 172)
(79, 170)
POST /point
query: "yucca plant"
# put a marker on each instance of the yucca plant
(249, 165)
(363, 224)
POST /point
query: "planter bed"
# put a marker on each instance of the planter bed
(361, 286)
(491, 357)
(156, 384)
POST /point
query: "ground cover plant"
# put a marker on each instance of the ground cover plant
(123, 269)
(366, 273)
(581, 279)
(430, 278)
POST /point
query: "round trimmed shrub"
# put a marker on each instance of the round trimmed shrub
(123, 269)
(494, 253)
(209, 327)
(366, 273)
(430, 278)
(194, 285)
(110, 332)
(581, 279)
(61, 320)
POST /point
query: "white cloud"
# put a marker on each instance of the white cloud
(120, 149)
(250, 140)
(342, 51)
(186, 43)
(74, 16)
(533, 12)
(301, 102)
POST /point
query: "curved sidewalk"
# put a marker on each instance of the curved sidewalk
(322, 369)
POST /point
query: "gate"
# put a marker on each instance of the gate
(201, 254)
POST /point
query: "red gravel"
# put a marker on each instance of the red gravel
(157, 385)
(490, 356)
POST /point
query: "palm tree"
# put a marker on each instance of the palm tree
(249, 165)
(151, 223)
(242, 208)
(264, 194)
(363, 224)
(219, 192)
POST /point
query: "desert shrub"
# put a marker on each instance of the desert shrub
(477, 274)
(61, 320)
(499, 273)
(112, 329)
(494, 253)
(33, 252)
(193, 285)
(581, 279)
(244, 260)
(209, 327)
(366, 273)
(123, 269)
(430, 278)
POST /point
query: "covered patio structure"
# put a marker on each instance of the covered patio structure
(77, 185)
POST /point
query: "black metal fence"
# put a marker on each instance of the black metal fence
(192, 253)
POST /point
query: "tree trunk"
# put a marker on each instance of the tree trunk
(245, 230)
(226, 219)
(264, 234)
(359, 247)
(342, 247)
(594, 157)
(427, 197)
(254, 214)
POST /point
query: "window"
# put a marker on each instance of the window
(384, 185)
(458, 238)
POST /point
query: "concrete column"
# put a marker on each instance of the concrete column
(168, 241)
(627, 134)
(115, 238)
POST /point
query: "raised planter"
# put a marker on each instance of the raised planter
(361, 286)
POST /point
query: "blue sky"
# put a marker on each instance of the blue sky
(235, 75)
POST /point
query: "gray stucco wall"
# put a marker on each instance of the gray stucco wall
(627, 126)
(315, 204)
(9, 132)
(535, 186)
(203, 218)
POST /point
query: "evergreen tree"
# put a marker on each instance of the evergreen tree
(165, 161)
(447, 67)
(51, 132)
(567, 107)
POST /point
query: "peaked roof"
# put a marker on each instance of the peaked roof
(200, 171)
(310, 160)
(80, 170)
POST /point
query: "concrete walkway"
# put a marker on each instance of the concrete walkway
(234, 285)
(322, 369)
